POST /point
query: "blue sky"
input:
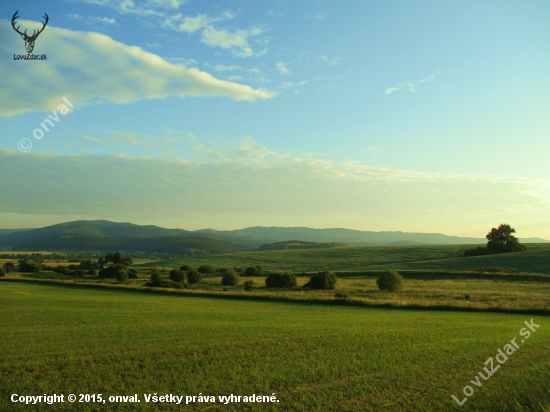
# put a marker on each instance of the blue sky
(427, 116)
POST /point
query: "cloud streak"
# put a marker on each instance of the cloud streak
(409, 86)
(84, 66)
(251, 180)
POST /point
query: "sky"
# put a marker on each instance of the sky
(416, 116)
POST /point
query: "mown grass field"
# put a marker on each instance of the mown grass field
(535, 260)
(62, 339)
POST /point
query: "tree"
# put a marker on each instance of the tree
(122, 276)
(113, 271)
(194, 276)
(391, 281)
(230, 278)
(249, 285)
(155, 277)
(177, 275)
(322, 280)
(185, 268)
(206, 269)
(501, 240)
(253, 271)
(281, 280)
(29, 265)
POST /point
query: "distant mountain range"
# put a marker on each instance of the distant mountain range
(101, 235)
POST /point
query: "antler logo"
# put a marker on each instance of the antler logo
(29, 40)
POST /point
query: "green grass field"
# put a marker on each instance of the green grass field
(62, 339)
(535, 260)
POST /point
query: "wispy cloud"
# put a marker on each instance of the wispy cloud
(236, 41)
(122, 139)
(222, 68)
(331, 61)
(90, 20)
(281, 67)
(96, 140)
(252, 179)
(105, 69)
(409, 86)
(374, 150)
(145, 8)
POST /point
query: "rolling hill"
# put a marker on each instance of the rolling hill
(174, 244)
(93, 234)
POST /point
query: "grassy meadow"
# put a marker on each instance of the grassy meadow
(356, 258)
(63, 339)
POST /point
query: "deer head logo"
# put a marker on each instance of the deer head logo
(29, 40)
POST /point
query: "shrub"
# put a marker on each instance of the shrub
(92, 272)
(478, 251)
(2, 273)
(239, 270)
(219, 270)
(193, 277)
(322, 280)
(467, 297)
(8, 268)
(132, 274)
(281, 280)
(9, 265)
(230, 278)
(165, 284)
(29, 266)
(185, 268)
(206, 269)
(61, 270)
(112, 271)
(177, 275)
(81, 273)
(122, 276)
(253, 271)
(390, 281)
(340, 295)
(155, 277)
(249, 285)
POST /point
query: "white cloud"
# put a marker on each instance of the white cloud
(92, 20)
(106, 20)
(374, 150)
(272, 13)
(181, 60)
(281, 67)
(165, 4)
(286, 85)
(237, 41)
(84, 66)
(123, 139)
(332, 61)
(409, 86)
(192, 24)
(222, 68)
